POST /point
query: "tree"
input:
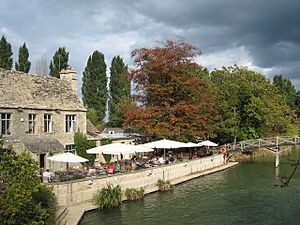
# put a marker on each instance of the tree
(173, 101)
(6, 53)
(21, 191)
(297, 103)
(250, 105)
(286, 88)
(23, 64)
(82, 144)
(120, 98)
(59, 62)
(94, 81)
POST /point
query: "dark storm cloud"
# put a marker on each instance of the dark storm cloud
(264, 34)
(269, 30)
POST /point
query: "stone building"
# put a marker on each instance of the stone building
(39, 114)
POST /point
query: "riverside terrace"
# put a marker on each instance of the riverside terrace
(134, 164)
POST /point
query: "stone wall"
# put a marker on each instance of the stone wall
(76, 192)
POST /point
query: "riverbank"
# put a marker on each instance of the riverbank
(76, 211)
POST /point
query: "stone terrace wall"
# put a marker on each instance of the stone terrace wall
(70, 193)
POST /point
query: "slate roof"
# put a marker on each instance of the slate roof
(28, 91)
(43, 145)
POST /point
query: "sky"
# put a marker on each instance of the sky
(263, 35)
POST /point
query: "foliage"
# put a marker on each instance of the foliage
(297, 103)
(164, 185)
(19, 190)
(118, 111)
(108, 197)
(106, 141)
(94, 91)
(82, 144)
(286, 88)
(59, 62)
(170, 93)
(23, 64)
(48, 200)
(250, 105)
(134, 194)
(6, 53)
(120, 99)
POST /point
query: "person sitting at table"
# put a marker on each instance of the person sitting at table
(161, 160)
(111, 169)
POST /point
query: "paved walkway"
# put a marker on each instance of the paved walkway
(76, 212)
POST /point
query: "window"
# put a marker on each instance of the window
(5, 123)
(31, 123)
(70, 148)
(48, 123)
(70, 123)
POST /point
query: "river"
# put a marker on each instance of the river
(244, 194)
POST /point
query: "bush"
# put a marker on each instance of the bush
(134, 194)
(48, 201)
(108, 197)
(164, 185)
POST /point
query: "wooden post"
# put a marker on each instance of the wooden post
(277, 158)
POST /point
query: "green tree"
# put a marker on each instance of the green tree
(250, 105)
(81, 145)
(120, 98)
(6, 53)
(286, 88)
(19, 191)
(23, 64)
(94, 81)
(297, 103)
(59, 62)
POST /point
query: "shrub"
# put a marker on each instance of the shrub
(48, 201)
(108, 197)
(134, 194)
(164, 185)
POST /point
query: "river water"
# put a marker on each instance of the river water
(244, 194)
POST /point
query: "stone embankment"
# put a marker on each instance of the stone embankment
(77, 195)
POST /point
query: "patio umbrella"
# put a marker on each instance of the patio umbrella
(208, 143)
(68, 158)
(117, 149)
(165, 144)
(192, 144)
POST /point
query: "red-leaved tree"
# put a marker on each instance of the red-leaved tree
(173, 100)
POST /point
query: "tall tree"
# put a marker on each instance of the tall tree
(286, 88)
(119, 92)
(59, 62)
(94, 81)
(173, 101)
(6, 53)
(250, 105)
(23, 64)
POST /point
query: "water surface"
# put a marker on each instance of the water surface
(244, 194)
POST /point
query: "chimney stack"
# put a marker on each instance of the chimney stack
(69, 75)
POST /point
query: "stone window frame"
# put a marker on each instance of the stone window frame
(70, 148)
(70, 124)
(31, 123)
(48, 123)
(5, 123)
